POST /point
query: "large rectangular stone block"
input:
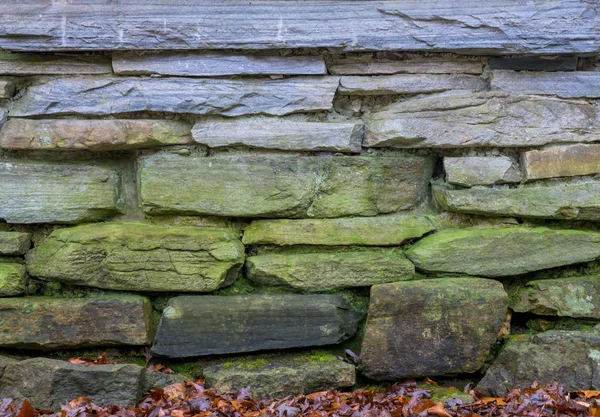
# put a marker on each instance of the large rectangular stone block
(31, 64)
(407, 84)
(573, 84)
(14, 243)
(561, 161)
(375, 65)
(480, 170)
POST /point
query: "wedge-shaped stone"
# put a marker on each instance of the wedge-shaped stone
(55, 323)
(12, 279)
(543, 63)
(104, 95)
(139, 257)
(457, 318)
(194, 64)
(369, 65)
(407, 84)
(480, 170)
(454, 119)
(96, 135)
(280, 133)
(503, 252)
(30, 64)
(246, 185)
(330, 270)
(568, 200)
(389, 230)
(14, 243)
(35, 192)
(7, 88)
(574, 84)
(561, 161)
(567, 357)
(209, 325)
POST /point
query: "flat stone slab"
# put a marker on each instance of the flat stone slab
(139, 257)
(214, 325)
(94, 135)
(561, 161)
(228, 97)
(503, 252)
(280, 133)
(374, 65)
(198, 64)
(330, 270)
(387, 230)
(480, 170)
(573, 84)
(31, 64)
(7, 88)
(55, 323)
(542, 63)
(482, 119)
(407, 84)
(571, 358)
(12, 279)
(37, 192)
(457, 318)
(251, 185)
(14, 243)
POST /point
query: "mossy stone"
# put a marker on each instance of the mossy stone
(12, 279)
(14, 243)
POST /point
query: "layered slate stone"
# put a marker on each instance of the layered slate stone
(3, 116)
(57, 323)
(330, 270)
(36, 192)
(95, 135)
(31, 64)
(458, 319)
(376, 65)
(7, 88)
(209, 325)
(388, 230)
(194, 64)
(561, 161)
(577, 297)
(14, 243)
(250, 185)
(227, 97)
(12, 279)
(139, 257)
(578, 200)
(503, 252)
(574, 84)
(407, 84)
(280, 133)
(542, 63)
(571, 358)
(480, 170)
(457, 119)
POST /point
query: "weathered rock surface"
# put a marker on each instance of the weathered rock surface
(208, 325)
(330, 270)
(279, 133)
(14, 243)
(96, 135)
(407, 84)
(277, 376)
(556, 200)
(571, 358)
(36, 192)
(30, 64)
(12, 279)
(389, 230)
(369, 65)
(480, 170)
(574, 84)
(105, 95)
(139, 257)
(458, 319)
(543, 63)
(561, 161)
(246, 185)
(3, 116)
(194, 64)
(577, 297)
(454, 119)
(503, 252)
(55, 323)
(7, 88)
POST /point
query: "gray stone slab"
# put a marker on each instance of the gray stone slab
(408, 84)
(575, 84)
(31, 64)
(369, 65)
(542, 63)
(480, 170)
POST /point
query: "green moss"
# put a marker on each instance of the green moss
(442, 394)
(241, 286)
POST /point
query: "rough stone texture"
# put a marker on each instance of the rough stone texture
(55, 323)
(29, 64)
(277, 133)
(153, 380)
(369, 65)
(12, 279)
(271, 376)
(561, 161)
(497, 27)
(36, 192)
(454, 119)
(571, 358)
(7, 88)
(579, 84)
(193, 64)
(95, 135)
(389, 230)
(247, 185)
(480, 170)
(330, 271)
(503, 252)
(577, 297)
(440, 326)
(50, 383)
(139, 257)
(3, 116)
(207, 325)
(555, 200)
(14, 243)
(407, 84)
(543, 63)
(228, 97)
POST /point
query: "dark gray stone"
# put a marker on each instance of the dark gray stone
(30, 64)
(542, 63)
(7, 88)
(380, 65)
(579, 84)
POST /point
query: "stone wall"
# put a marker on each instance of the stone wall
(418, 186)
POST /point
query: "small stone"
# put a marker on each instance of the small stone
(153, 380)
(374, 66)
(3, 116)
(31, 64)
(480, 170)
(407, 84)
(575, 84)
(561, 161)
(554, 63)
(12, 279)
(7, 89)
(14, 243)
